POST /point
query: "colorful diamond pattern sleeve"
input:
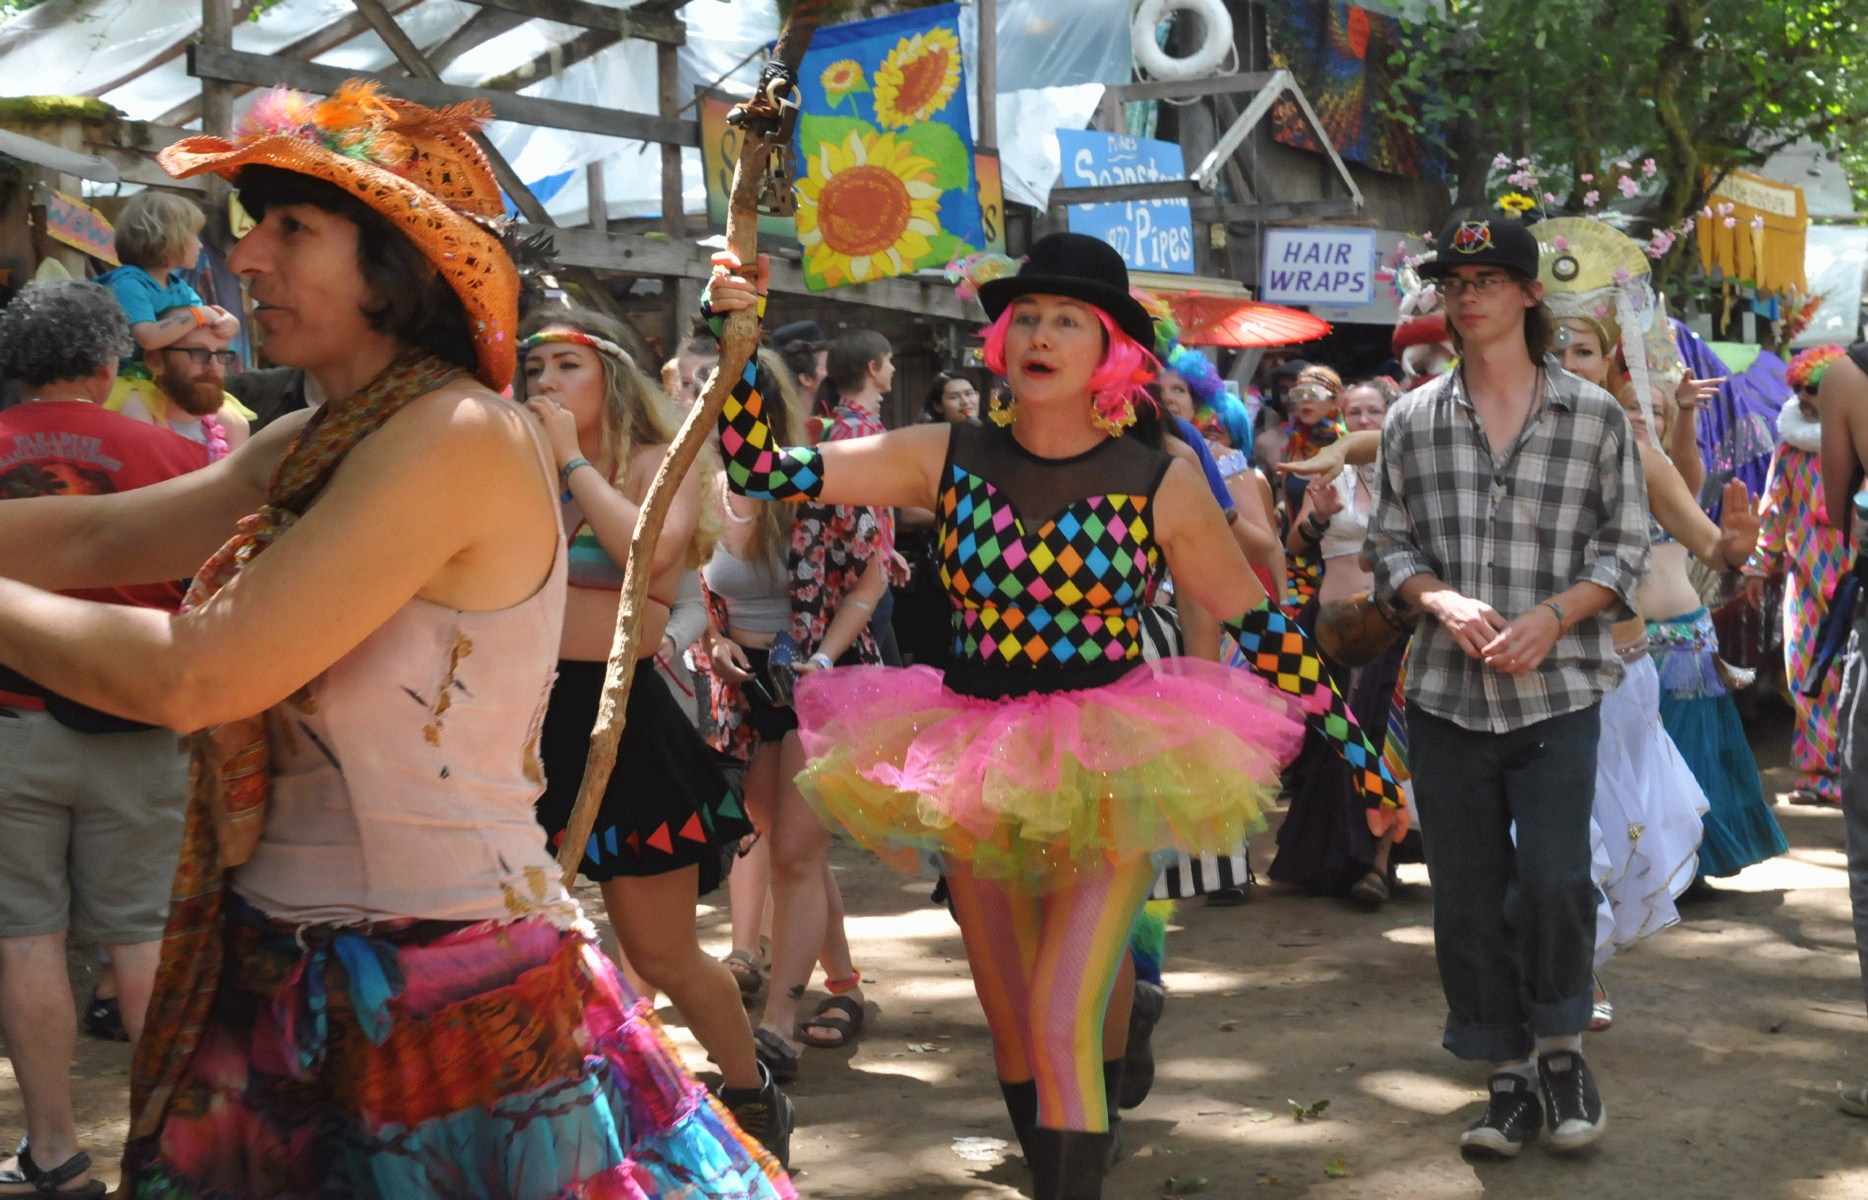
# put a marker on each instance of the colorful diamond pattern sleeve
(754, 466)
(1278, 650)
(1066, 593)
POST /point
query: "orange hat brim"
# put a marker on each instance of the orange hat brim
(469, 257)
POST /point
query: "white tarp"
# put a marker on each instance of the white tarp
(1833, 259)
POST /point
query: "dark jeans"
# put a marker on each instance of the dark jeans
(1852, 723)
(1513, 925)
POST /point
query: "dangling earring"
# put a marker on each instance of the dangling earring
(1112, 412)
(1001, 414)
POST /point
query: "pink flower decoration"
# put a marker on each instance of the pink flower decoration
(1621, 164)
(1648, 168)
(1622, 275)
(1501, 163)
(1590, 197)
(1561, 243)
(1550, 198)
(1524, 162)
(1686, 226)
(1731, 222)
(1757, 222)
(1588, 178)
(1627, 184)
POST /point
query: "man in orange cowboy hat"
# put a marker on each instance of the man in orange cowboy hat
(372, 979)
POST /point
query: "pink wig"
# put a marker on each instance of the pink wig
(1122, 376)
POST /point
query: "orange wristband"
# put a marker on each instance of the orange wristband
(201, 315)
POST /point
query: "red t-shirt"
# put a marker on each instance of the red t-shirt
(75, 448)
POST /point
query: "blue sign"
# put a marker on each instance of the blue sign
(1151, 235)
(1318, 266)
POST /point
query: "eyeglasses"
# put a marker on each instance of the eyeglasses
(201, 356)
(1453, 287)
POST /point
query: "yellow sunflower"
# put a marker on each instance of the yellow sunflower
(866, 209)
(917, 78)
(841, 78)
(1516, 203)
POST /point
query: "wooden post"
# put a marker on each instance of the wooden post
(986, 74)
(599, 202)
(668, 99)
(217, 111)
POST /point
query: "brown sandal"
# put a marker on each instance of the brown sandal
(844, 1014)
(746, 972)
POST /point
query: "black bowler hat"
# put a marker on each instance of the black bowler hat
(1499, 242)
(797, 331)
(1084, 268)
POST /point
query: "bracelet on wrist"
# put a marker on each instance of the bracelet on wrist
(822, 661)
(1554, 607)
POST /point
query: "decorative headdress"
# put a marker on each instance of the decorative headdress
(1808, 366)
(1592, 271)
(578, 337)
(417, 166)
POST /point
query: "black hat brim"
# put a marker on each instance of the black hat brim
(1126, 311)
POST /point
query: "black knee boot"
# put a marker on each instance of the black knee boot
(1021, 1104)
(1067, 1164)
(1112, 1093)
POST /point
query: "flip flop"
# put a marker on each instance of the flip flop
(1370, 889)
(840, 1013)
(1601, 1012)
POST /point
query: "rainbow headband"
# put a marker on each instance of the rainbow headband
(577, 337)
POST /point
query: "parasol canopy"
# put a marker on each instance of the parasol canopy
(1231, 321)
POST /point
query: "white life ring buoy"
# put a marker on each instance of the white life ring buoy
(1215, 22)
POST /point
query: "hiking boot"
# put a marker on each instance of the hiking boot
(765, 1114)
(1138, 1074)
(1577, 1117)
(1511, 1119)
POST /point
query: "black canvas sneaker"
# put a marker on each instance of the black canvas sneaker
(1512, 1118)
(1577, 1117)
(765, 1113)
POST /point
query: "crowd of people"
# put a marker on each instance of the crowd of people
(1069, 636)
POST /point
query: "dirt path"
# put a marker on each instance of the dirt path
(1732, 1032)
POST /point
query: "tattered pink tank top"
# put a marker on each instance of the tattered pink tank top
(404, 776)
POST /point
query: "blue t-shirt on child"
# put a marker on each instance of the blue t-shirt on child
(142, 298)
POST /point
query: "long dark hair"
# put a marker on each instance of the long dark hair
(931, 410)
(1540, 327)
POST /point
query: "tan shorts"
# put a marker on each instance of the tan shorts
(90, 829)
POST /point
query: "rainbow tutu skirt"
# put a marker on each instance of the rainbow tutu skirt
(1178, 755)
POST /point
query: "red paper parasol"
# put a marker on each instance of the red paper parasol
(1231, 321)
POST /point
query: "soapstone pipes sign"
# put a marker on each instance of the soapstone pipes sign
(1151, 235)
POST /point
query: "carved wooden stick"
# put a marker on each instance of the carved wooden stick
(738, 341)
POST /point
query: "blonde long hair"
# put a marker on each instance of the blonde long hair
(770, 542)
(635, 412)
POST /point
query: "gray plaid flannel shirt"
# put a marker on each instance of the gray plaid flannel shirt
(1567, 505)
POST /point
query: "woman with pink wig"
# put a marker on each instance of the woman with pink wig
(1049, 765)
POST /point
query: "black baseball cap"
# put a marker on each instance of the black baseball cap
(1292, 368)
(1497, 242)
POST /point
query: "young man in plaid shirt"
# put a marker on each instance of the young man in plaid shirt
(1511, 510)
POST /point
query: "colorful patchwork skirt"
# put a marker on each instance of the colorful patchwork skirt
(1175, 755)
(1704, 724)
(431, 1060)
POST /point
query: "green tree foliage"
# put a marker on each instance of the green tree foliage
(1702, 86)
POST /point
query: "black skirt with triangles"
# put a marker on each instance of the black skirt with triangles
(668, 805)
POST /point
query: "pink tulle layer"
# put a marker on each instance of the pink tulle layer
(1180, 754)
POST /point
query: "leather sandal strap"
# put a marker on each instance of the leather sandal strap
(48, 1182)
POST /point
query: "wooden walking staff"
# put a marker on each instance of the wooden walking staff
(759, 182)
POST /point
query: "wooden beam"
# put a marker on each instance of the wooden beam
(478, 30)
(986, 75)
(410, 56)
(1188, 89)
(585, 45)
(216, 96)
(1295, 210)
(1116, 193)
(630, 23)
(310, 46)
(668, 99)
(261, 70)
(634, 254)
(136, 167)
(599, 201)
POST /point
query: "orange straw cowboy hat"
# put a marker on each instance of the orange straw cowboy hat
(416, 166)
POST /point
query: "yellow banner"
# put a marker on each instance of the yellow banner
(1760, 240)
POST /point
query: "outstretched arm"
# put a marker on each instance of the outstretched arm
(1723, 547)
(149, 535)
(890, 470)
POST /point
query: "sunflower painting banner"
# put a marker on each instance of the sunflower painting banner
(885, 173)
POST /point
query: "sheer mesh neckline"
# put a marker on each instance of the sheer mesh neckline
(1045, 488)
